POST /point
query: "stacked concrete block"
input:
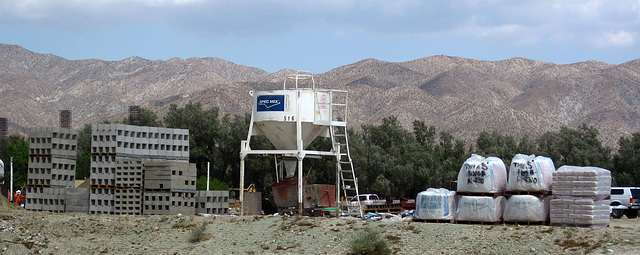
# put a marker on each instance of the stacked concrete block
(169, 187)
(169, 203)
(119, 153)
(52, 157)
(103, 171)
(53, 141)
(52, 167)
(46, 199)
(128, 201)
(102, 201)
(77, 200)
(137, 141)
(128, 172)
(169, 175)
(34, 198)
(212, 202)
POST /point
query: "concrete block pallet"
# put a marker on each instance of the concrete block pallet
(212, 202)
(130, 141)
(51, 169)
(169, 203)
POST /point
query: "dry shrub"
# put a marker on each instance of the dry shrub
(198, 233)
(368, 241)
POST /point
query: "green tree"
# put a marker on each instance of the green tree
(204, 131)
(83, 158)
(214, 184)
(17, 147)
(578, 147)
(626, 163)
(426, 136)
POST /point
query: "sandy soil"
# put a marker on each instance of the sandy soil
(25, 232)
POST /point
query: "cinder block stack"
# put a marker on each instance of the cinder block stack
(119, 153)
(52, 167)
(128, 185)
(169, 187)
(77, 200)
(212, 202)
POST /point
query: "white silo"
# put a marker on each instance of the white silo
(291, 119)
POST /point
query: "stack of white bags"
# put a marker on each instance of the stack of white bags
(529, 173)
(579, 194)
(481, 175)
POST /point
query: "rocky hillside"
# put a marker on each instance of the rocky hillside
(517, 96)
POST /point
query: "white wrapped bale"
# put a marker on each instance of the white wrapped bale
(436, 204)
(582, 182)
(526, 208)
(477, 208)
(484, 175)
(530, 173)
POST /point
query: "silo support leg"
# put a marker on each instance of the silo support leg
(300, 188)
(242, 187)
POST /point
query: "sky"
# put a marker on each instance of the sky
(320, 35)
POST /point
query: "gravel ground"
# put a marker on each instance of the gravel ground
(25, 232)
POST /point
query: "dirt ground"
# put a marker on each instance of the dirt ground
(25, 232)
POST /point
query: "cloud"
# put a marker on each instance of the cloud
(510, 22)
(616, 39)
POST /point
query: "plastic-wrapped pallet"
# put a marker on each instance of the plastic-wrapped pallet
(477, 208)
(579, 194)
(526, 208)
(436, 204)
(582, 182)
(480, 174)
(530, 173)
(577, 211)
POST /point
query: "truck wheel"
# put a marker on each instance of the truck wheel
(632, 214)
(617, 213)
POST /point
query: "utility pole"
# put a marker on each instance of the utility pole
(11, 182)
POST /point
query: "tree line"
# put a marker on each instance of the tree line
(388, 159)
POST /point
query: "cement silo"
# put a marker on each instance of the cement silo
(291, 119)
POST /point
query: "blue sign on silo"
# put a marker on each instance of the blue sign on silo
(271, 103)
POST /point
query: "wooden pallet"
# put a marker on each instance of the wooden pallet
(479, 194)
(137, 186)
(39, 185)
(479, 222)
(537, 193)
(433, 221)
(528, 223)
(102, 186)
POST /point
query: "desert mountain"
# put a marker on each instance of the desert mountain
(517, 96)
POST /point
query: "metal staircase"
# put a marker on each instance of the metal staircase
(340, 144)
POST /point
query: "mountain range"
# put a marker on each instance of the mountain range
(517, 96)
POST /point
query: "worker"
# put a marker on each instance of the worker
(18, 197)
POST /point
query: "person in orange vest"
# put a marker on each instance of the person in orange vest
(18, 197)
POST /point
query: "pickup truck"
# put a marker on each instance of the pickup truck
(367, 199)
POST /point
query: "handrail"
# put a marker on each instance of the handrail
(300, 76)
